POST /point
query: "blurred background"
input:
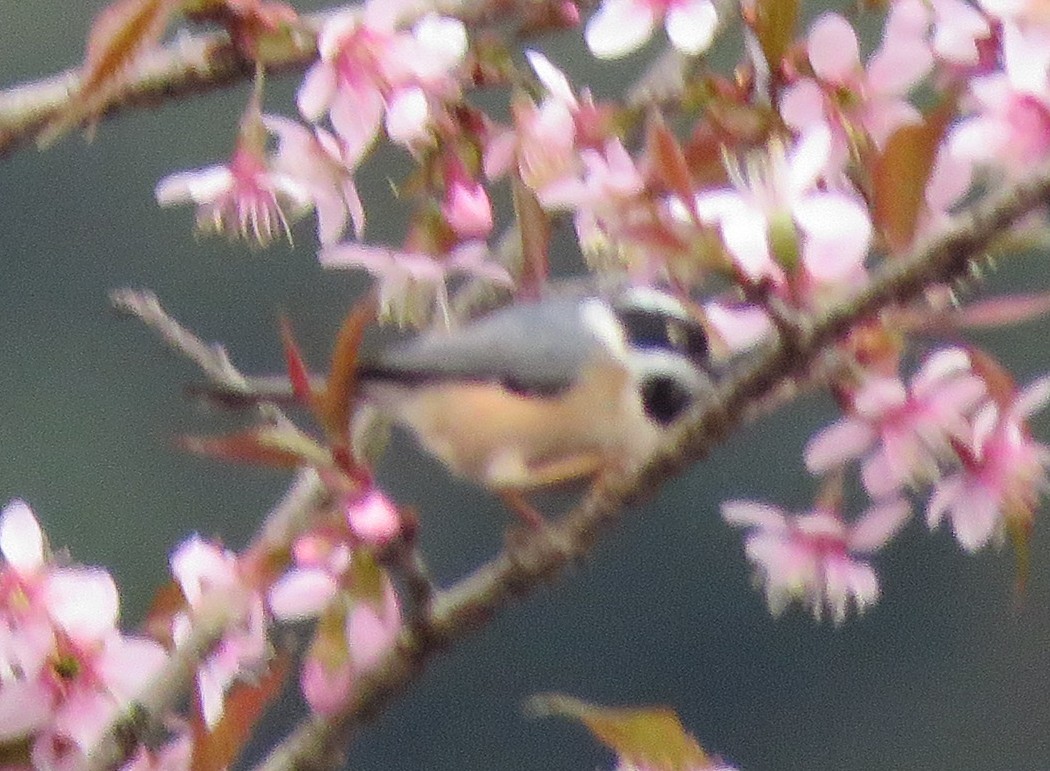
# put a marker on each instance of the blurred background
(949, 670)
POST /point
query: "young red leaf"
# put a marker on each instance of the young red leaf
(293, 358)
(651, 737)
(167, 601)
(773, 22)
(336, 403)
(997, 379)
(120, 33)
(667, 158)
(267, 446)
(535, 229)
(245, 703)
(1019, 528)
(900, 175)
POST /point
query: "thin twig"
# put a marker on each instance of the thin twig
(199, 63)
(291, 516)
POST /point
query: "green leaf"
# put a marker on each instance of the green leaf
(645, 736)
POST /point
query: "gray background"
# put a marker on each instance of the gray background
(947, 671)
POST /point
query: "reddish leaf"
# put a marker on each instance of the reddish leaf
(120, 33)
(900, 175)
(167, 601)
(267, 446)
(293, 358)
(244, 705)
(336, 403)
(997, 379)
(535, 229)
(1019, 528)
(652, 737)
(773, 22)
(667, 158)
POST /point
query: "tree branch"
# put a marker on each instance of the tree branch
(199, 63)
(469, 603)
(292, 515)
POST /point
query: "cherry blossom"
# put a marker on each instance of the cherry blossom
(66, 671)
(812, 558)
(357, 625)
(601, 196)
(322, 165)
(245, 197)
(373, 518)
(412, 284)
(774, 216)
(466, 207)
(1003, 473)
(1010, 125)
(208, 574)
(903, 433)
(853, 99)
(543, 140)
(619, 27)
(368, 66)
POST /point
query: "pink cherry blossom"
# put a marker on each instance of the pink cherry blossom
(354, 631)
(620, 27)
(373, 518)
(245, 197)
(1003, 474)
(544, 138)
(601, 195)
(372, 627)
(175, 755)
(413, 284)
(1009, 128)
(466, 207)
(739, 327)
(775, 211)
(367, 65)
(903, 433)
(66, 671)
(321, 163)
(812, 558)
(321, 561)
(851, 98)
(958, 27)
(208, 574)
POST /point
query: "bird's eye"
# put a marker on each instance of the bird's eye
(664, 398)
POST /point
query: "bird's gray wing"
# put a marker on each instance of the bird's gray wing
(529, 348)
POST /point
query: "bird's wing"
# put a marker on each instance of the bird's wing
(527, 348)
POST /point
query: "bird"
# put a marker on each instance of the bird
(539, 392)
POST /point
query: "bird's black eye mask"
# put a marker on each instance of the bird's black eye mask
(664, 398)
(654, 330)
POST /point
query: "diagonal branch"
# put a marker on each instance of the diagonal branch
(199, 63)
(468, 604)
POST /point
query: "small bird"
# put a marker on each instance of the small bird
(537, 393)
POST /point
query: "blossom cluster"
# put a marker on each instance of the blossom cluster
(790, 187)
(67, 672)
(794, 226)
